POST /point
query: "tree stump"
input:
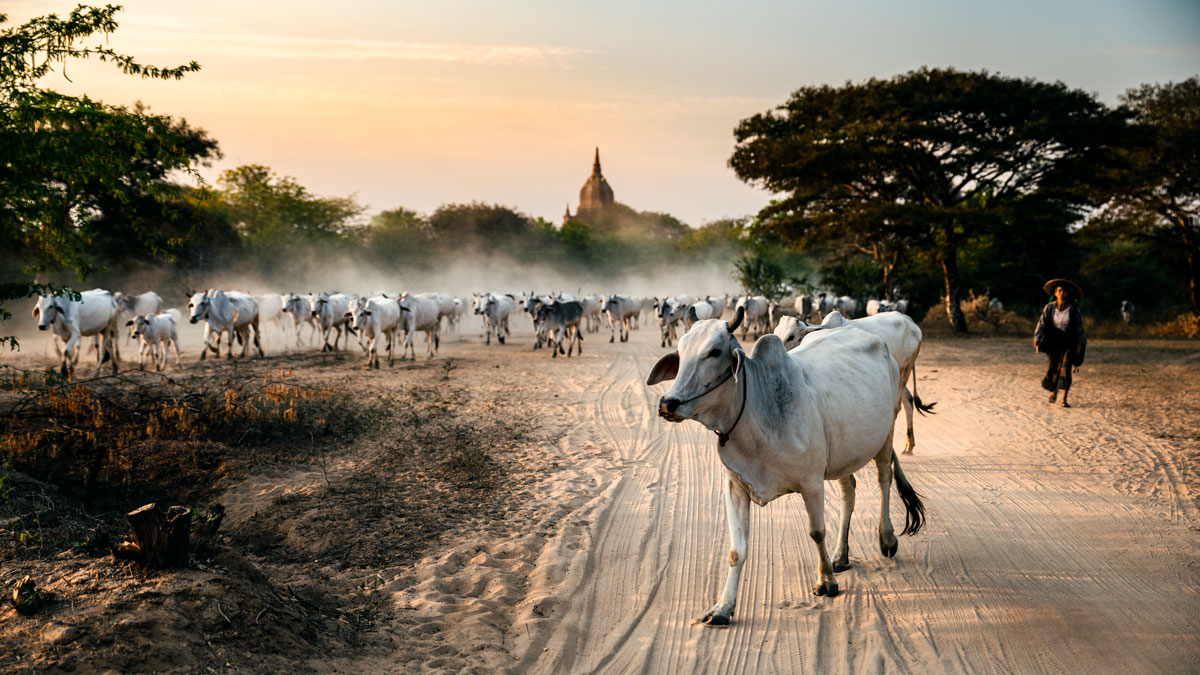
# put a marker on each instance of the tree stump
(160, 539)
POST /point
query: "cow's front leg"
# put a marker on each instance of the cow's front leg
(737, 514)
(814, 504)
(841, 562)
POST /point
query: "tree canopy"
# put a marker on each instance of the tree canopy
(925, 162)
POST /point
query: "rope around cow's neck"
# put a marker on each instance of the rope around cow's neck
(723, 438)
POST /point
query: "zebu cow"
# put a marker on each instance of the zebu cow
(717, 304)
(620, 310)
(93, 314)
(561, 319)
(757, 314)
(301, 310)
(157, 333)
(419, 313)
(377, 319)
(495, 309)
(698, 311)
(233, 312)
(270, 312)
(670, 313)
(787, 422)
(133, 305)
(903, 338)
(530, 305)
(592, 308)
(330, 313)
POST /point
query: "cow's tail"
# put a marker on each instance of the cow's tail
(914, 509)
(923, 408)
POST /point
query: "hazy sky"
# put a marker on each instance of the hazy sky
(418, 104)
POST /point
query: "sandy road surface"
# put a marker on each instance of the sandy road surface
(1056, 543)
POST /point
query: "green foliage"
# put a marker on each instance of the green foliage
(279, 221)
(924, 162)
(67, 163)
(1157, 195)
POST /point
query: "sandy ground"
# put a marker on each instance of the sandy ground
(1057, 540)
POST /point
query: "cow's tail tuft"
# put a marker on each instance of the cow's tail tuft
(923, 408)
(914, 509)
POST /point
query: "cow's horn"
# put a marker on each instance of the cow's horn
(737, 319)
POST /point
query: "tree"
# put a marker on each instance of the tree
(65, 159)
(925, 161)
(1160, 195)
(279, 220)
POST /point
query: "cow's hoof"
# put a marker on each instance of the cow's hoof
(887, 548)
(827, 588)
(839, 566)
(714, 620)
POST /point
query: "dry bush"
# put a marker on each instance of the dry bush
(1185, 325)
(146, 435)
(981, 318)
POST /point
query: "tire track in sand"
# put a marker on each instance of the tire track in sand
(1033, 561)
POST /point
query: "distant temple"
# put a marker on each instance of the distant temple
(594, 195)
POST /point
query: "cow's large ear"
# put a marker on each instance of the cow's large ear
(666, 369)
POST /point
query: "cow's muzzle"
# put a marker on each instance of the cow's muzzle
(667, 408)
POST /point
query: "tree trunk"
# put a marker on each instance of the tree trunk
(1190, 229)
(949, 260)
(160, 539)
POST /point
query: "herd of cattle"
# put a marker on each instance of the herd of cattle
(382, 319)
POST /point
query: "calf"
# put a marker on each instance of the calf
(157, 333)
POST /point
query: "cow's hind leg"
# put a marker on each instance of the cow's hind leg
(737, 514)
(883, 466)
(841, 562)
(814, 504)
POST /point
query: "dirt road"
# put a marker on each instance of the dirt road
(1057, 542)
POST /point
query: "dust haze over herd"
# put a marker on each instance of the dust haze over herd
(861, 220)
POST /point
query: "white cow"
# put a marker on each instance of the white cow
(300, 308)
(903, 338)
(757, 314)
(231, 312)
(495, 309)
(620, 310)
(330, 309)
(133, 305)
(698, 311)
(418, 313)
(93, 314)
(593, 307)
(157, 333)
(270, 312)
(377, 319)
(787, 422)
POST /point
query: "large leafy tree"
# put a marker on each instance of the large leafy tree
(65, 160)
(925, 161)
(1160, 184)
(281, 223)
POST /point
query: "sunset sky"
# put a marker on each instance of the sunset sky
(417, 104)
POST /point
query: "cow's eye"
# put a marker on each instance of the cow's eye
(714, 353)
